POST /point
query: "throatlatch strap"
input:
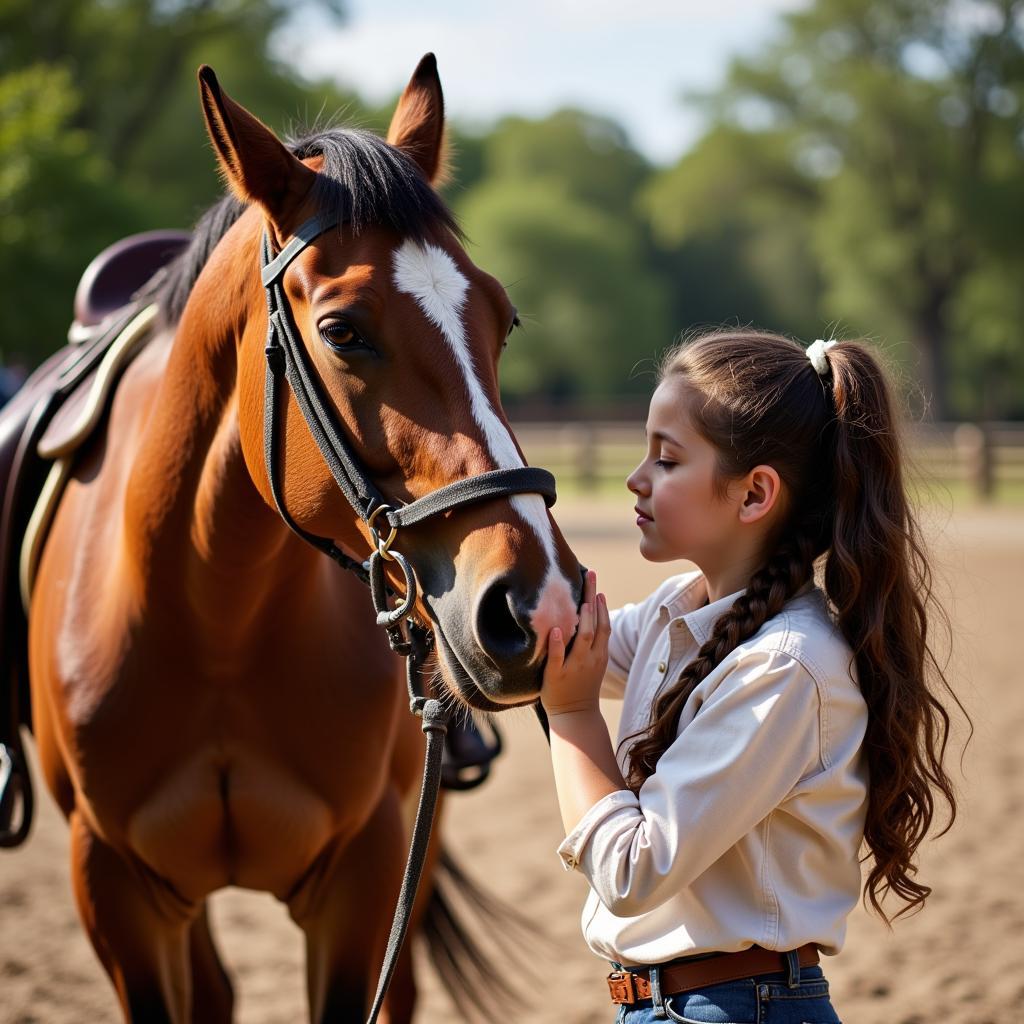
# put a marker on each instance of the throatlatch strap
(275, 365)
(328, 434)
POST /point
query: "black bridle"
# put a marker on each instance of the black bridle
(287, 355)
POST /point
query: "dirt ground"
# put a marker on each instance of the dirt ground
(960, 962)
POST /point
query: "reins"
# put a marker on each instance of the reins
(286, 355)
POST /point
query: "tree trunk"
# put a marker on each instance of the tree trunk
(930, 336)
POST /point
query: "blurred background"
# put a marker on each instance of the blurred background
(630, 172)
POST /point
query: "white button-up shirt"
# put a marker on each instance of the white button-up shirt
(750, 828)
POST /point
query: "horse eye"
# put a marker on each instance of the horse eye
(511, 327)
(339, 335)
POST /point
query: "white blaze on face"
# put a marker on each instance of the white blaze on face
(430, 275)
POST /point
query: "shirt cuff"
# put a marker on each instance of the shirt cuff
(571, 848)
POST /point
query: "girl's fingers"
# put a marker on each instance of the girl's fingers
(590, 587)
(556, 648)
(585, 630)
(604, 626)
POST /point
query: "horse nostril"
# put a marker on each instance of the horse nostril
(502, 625)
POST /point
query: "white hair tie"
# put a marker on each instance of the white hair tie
(816, 354)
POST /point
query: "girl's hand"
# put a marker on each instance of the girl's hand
(572, 683)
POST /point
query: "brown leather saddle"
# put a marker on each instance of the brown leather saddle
(49, 408)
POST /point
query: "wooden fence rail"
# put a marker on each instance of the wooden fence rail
(591, 454)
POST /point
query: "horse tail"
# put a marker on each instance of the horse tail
(475, 978)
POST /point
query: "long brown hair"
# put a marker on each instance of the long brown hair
(834, 441)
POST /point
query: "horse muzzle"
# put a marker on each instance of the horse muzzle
(492, 644)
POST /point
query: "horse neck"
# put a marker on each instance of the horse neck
(199, 537)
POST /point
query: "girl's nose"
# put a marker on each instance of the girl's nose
(636, 482)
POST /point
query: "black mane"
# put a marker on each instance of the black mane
(362, 180)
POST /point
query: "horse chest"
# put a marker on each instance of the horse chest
(218, 769)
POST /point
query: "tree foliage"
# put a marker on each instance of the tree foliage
(101, 133)
(552, 217)
(861, 173)
(903, 120)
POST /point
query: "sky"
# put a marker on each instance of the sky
(630, 60)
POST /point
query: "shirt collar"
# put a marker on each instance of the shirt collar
(687, 603)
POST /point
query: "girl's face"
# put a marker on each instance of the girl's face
(679, 511)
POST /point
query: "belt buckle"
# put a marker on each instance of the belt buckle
(620, 985)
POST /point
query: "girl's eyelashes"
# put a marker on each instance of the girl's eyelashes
(664, 463)
(341, 336)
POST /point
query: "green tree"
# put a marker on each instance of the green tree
(54, 189)
(732, 221)
(552, 215)
(102, 133)
(906, 115)
(589, 155)
(589, 315)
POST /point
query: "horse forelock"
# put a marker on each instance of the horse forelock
(366, 181)
(361, 180)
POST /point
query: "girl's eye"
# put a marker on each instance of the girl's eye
(663, 463)
(340, 336)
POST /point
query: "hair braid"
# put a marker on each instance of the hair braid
(788, 569)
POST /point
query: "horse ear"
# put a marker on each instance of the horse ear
(257, 166)
(417, 126)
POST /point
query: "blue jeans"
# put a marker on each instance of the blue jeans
(761, 999)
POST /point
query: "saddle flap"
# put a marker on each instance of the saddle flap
(82, 411)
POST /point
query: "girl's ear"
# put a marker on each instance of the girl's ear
(256, 165)
(762, 492)
(417, 126)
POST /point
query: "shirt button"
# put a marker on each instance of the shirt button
(661, 666)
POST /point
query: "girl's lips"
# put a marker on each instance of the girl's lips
(642, 517)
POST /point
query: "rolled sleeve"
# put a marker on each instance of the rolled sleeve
(753, 739)
(607, 807)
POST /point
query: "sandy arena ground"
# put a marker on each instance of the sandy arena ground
(959, 962)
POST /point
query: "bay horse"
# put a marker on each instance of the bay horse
(213, 702)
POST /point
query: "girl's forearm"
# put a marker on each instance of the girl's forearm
(583, 761)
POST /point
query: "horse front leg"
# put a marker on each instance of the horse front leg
(138, 926)
(344, 907)
(213, 996)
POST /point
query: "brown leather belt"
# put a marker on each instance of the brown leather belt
(629, 986)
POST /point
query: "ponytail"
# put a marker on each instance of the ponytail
(879, 584)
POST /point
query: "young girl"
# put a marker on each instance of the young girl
(769, 728)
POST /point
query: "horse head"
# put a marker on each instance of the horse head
(404, 334)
